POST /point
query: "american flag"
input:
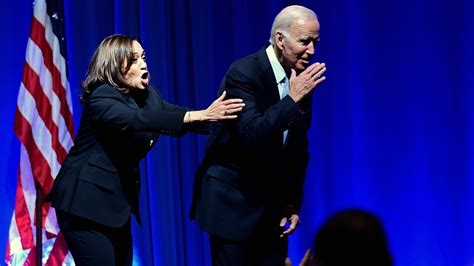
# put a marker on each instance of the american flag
(44, 125)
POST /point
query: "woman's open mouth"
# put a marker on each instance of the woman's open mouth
(145, 79)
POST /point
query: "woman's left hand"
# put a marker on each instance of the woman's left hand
(222, 109)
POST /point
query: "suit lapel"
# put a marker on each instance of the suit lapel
(271, 95)
(270, 87)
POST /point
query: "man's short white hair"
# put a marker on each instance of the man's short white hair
(285, 19)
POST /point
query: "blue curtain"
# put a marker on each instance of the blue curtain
(392, 130)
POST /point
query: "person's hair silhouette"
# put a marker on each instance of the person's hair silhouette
(351, 237)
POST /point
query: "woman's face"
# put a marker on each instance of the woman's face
(137, 76)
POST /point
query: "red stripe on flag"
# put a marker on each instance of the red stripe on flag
(22, 217)
(59, 252)
(38, 36)
(40, 167)
(32, 84)
(45, 210)
(7, 256)
(31, 259)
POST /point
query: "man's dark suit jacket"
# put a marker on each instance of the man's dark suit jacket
(99, 179)
(248, 170)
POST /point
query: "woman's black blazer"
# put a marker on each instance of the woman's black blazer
(99, 179)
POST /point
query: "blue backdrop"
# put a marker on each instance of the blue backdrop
(392, 131)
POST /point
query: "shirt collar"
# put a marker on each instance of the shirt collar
(278, 70)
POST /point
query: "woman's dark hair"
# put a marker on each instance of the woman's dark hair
(110, 62)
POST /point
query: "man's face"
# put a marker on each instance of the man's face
(298, 45)
(137, 76)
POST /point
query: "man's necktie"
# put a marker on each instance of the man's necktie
(284, 92)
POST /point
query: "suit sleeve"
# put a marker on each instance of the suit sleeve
(109, 109)
(299, 158)
(255, 128)
(197, 127)
(298, 166)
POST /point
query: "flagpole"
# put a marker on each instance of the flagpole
(39, 224)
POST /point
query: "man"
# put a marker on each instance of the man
(250, 184)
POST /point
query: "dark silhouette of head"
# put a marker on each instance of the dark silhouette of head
(351, 238)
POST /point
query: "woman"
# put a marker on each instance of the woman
(97, 186)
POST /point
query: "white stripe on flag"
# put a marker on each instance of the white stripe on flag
(51, 222)
(68, 261)
(27, 183)
(14, 237)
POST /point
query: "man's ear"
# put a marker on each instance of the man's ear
(279, 40)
